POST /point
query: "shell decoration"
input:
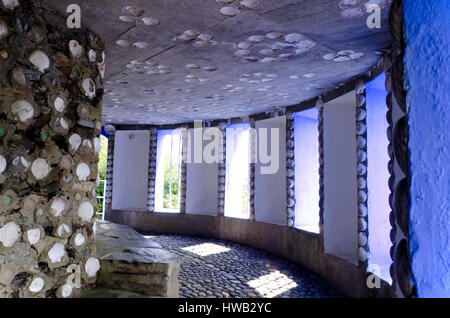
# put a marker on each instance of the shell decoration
(40, 168)
(23, 110)
(40, 60)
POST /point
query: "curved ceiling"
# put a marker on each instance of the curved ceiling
(183, 60)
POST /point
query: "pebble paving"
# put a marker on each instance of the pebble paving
(220, 269)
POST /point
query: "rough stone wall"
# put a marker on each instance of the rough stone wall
(50, 120)
(427, 63)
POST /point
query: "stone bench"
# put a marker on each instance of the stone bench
(134, 264)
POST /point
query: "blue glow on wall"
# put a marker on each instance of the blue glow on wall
(306, 136)
(427, 35)
(377, 179)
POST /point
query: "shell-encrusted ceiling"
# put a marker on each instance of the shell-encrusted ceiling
(171, 61)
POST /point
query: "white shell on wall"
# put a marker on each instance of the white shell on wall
(11, 4)
(66, 290)
(3, 164)
(79, 239)
(9, 234)
(86, 211)
(150, 21)
(83, 171)
(40, 60)
(250, 4)
(58, 206)
(75, 141)
(88, 86)
(3, 29)
(23, 110)
(36, 285)
(56, 253)
(97, 145)
(59, 104)
(63, 230)
(40, 168)
(33, 236)
(92, 56)
(76, 50)
(92, 266)
(230, 11)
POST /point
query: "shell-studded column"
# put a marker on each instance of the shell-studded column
(361, 159)
(404, 285)
(290, 170)
(152, 170)
(183, 177)
(319, 106)
(110, 130)
(50, 123)
(252, 169)
(222, 169)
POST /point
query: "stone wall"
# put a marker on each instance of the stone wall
(50, 120)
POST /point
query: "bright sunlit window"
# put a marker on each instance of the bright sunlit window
(237, 171)
(378, 179)
(168, 171)
(306, 136)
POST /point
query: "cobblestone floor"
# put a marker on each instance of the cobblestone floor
(213, 268)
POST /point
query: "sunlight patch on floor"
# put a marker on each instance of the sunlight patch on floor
(272, 285)
(206, 249)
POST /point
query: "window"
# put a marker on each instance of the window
(306, 136)
(377, 179)
(168, 171)
(237, 171)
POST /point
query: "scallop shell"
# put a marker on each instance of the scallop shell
(9, 234)
(88, 87)
(200, 43)
(83, 171)
(342, 59)
(193, 66)
(205, 37)
(150, 21)
(11, 4)
(141, 45)
(209, 68)
(123, 43)
(266, 51)
(40, 168)
(329, 56)
(244, 45)
(19, 77)
(250, 4)
(63, 230)
(76, 50)
(136, 11)
(92, 266)
(268, 60)
(23, 110)
(3, 29)
(294, 37)
(86, 211)
(355, 56)
(33, 236)
(40, 60)
(241, 53)
(273, 35)
(92, 56)
(127, 19)
(75, 141)
(36, 285)
(230, 11)
(256, 38)
(3, 164)
(58, 206)
(79, 239)
(56, 253)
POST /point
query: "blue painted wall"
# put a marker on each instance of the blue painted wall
(427, 33)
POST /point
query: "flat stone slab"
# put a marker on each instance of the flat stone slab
(130, 262)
